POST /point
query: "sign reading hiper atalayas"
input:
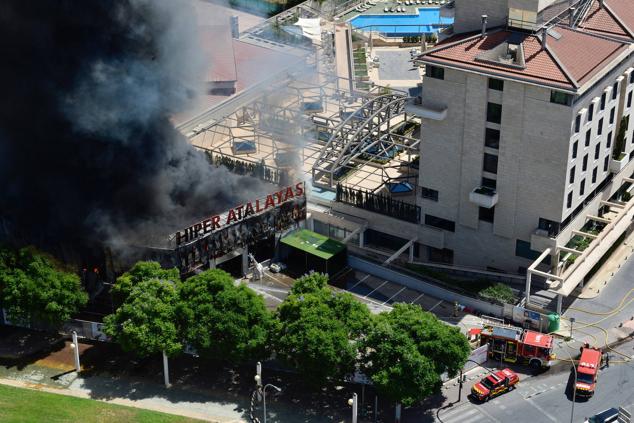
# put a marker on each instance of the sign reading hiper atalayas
(239, 213)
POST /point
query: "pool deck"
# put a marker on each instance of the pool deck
(381, 5)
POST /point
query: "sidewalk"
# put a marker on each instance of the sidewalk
(201, 389)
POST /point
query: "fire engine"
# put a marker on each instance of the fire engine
(514, 344)
(587, 370)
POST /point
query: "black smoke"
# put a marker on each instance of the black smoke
(87, 149)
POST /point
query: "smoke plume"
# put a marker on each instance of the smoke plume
(87, 150)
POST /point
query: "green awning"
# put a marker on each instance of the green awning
(313, 243)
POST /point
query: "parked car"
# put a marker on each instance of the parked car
(495, 384)
(277, 267)
(606, 416)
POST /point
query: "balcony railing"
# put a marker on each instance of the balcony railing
(378, 203)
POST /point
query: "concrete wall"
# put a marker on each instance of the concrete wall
(469, 12)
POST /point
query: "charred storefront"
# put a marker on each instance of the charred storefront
(227, 239)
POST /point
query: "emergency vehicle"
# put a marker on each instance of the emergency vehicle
(514, 344)
(495, 384)
(587, 370)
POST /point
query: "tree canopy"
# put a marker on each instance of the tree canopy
(141, 271)
(319, 330)
(222, 320)
(407, 349)
(146, 322)
(33, 288)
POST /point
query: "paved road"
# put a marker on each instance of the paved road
(545, 398)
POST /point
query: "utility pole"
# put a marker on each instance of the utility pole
(166, 371)
(352, 402)
(75, 347)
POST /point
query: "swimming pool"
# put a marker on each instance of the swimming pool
(427, 20)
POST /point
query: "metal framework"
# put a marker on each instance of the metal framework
(361, 131)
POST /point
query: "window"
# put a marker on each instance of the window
(612, 116)
(591, 112)
(603, 98)
(494, 113)
(430, 194)
(606, 163)
(597, 150)
(582, 187)
(615, 90)
(496, 84)
(594, 174)
(523, 249)
(609, 141)
(588, 137)
(584, 165)
(485, 214)
(549, 226)
(492, 138)
(558, 97)
(490, 163)
(569, 200)
(489, 183)
(574, 149)
(439, 222)
(577, 123)
(435, 72)
(600, 127)
(629, 98)
(571, 178)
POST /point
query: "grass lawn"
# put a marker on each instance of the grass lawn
(19, 405)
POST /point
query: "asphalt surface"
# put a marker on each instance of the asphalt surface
(547, 397)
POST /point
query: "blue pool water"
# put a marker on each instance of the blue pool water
(428, 20)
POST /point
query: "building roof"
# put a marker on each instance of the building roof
(538, 339)
(602, 21)
(314, 243)
(571, 57)
(624, 12)
(217, 44)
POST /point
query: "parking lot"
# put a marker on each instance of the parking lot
(387, 293)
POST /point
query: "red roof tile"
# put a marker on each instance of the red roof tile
(601, 21)
(540, 66)
(624, 11)
(583, 55)
(570, 59)
(217, 44)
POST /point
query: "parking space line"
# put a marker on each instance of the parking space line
(531, 402)
(401, 290)
(360, 281)
(417, 298)
(368, 294)
(436, 305)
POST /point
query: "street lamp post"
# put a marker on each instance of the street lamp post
(461, 377)
(264, 396)
(574, 386)
(352, 402)
(75, 347)
(258, 381)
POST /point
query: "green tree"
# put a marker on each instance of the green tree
(310, 283)
(141, 271)
(146, 322)
(407, 349)
(222, 320)
(34, 288)
(319, 330)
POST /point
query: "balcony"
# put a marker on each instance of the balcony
(617, 165)
(425, 108)
(484, 197)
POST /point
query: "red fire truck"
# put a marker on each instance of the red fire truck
(587, 370)
(514, 345)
